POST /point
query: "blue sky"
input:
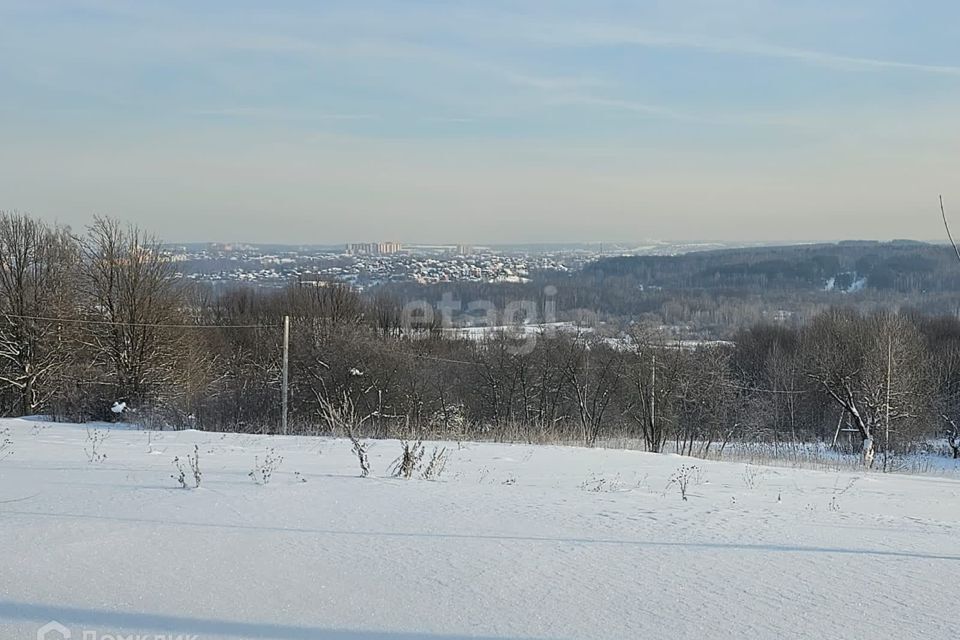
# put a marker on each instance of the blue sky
(491, 121)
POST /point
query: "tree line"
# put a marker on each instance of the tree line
(99, 325)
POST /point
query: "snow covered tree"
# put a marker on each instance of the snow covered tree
(37, 286)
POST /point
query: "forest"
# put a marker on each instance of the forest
(712, 295)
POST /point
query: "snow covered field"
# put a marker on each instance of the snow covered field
(513, 541)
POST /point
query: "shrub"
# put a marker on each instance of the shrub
(193, 462)
(359, 449)
(263, 469)
(95, 439)
(6, 444)
(752, 476)
(436, 465)
(409, 460)
(682, 478)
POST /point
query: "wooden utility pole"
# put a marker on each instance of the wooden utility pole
(886, 436)
(286, 373)
(653, 401)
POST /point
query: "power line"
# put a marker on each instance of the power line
(417, 356)
(638, 366)
(420, 356)
(156, 325)
(759, 390)
(414, 356)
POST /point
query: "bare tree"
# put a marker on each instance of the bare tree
(655, 375)
(134, 307)
(37, 267)
(593, 374)
(874, 368)
(705, 398)
(341, 417)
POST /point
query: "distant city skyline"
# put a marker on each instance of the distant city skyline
(599, 245)
(484, 123)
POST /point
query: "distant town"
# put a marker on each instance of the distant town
(368, 264)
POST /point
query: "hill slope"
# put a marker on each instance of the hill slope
(512, 542)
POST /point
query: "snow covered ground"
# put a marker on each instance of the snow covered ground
(513, 541)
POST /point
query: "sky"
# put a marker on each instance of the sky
(328, 121)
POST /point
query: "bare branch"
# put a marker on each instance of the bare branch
(946, 226)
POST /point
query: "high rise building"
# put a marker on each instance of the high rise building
(373, 248)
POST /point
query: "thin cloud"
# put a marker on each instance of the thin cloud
(269, 113)
(600, 35)
(626, 105)
(548, 83)
(448, 119)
